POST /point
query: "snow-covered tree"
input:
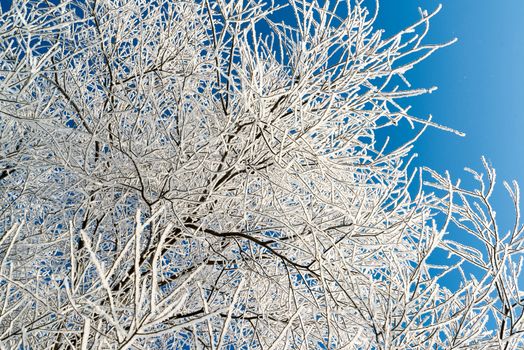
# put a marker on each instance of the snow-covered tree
(207, 175)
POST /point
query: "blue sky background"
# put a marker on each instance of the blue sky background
(481, 86)
(480, 92)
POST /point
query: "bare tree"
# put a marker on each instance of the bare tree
(179, 175)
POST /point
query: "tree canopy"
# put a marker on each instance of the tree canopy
(208, 175)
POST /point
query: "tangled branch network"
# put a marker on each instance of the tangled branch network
(207, 175)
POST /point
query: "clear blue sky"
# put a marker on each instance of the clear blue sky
(481, 91)
(481, 85)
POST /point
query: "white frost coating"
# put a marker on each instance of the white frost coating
(202, 175)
